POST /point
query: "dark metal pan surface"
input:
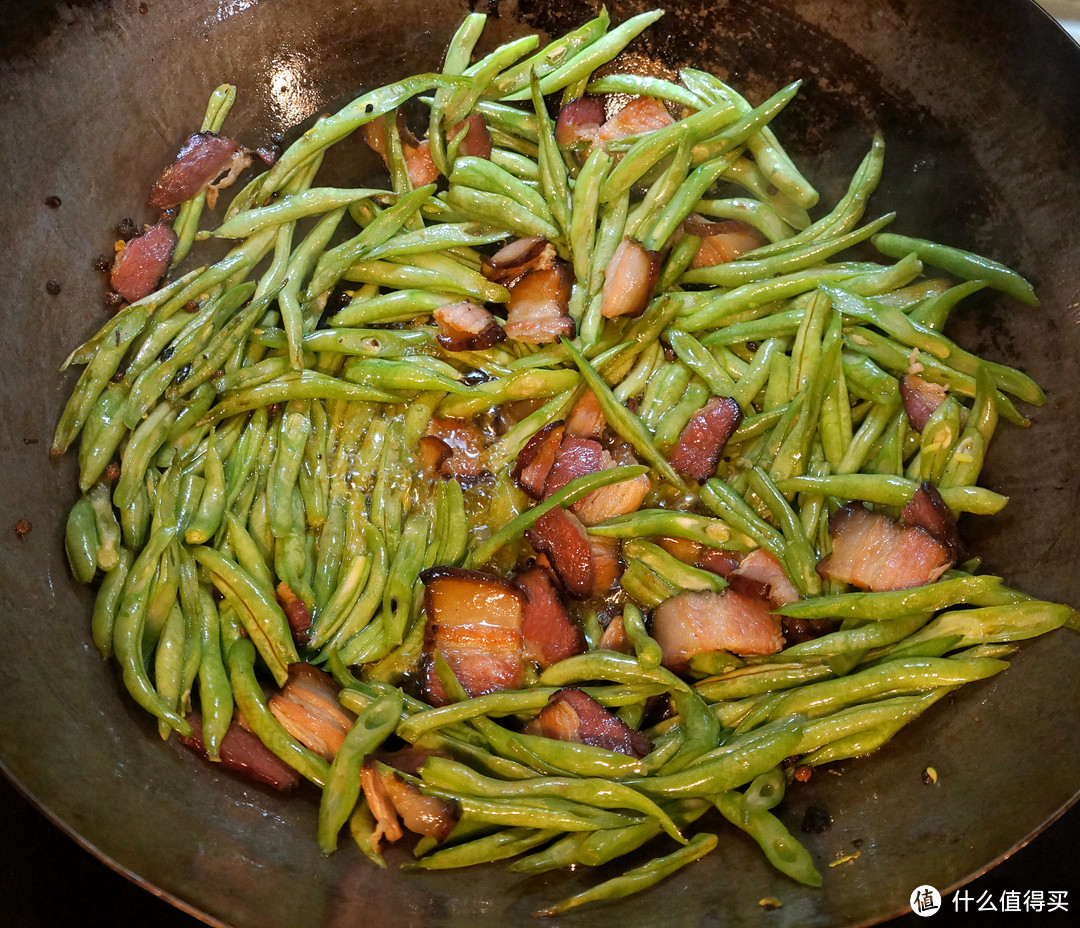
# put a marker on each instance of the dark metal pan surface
(978, 103)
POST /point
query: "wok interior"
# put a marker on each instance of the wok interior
(973, 103)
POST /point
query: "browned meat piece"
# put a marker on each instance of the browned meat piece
(575, 458)
(308, 708)
(474, 621)
(546, 627)
(920, 398)
(572, 715)
(466, 446)
(641, 114)
(535, 460)
(423, 815)
(514, 260)
(243, 752)
(698, 450)
(579, 121)
(537, 311)
(586, 419)
(720, 241)
(762, 566)
(467, 327)
(296, 612)
(874, 552)
(629, 280)
(140, 264)
(561, 536)
(704, 622)
(928, 510)
(203, 158)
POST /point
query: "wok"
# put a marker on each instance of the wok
(977, 101)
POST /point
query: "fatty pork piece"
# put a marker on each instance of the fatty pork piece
(928, 511)
(467, 326)
(140, 264)
(629, 280)
(537, 312)
(561, 536)
(874, 552)
(705, 622)
(552, 458)
(391, 797)
(720, 241)
(698, 450)
(548, 632)
(572, 715)
(244, 753)
(308, 709)
(453, 448)
(474, 621)
(202, 159)
(517, 258)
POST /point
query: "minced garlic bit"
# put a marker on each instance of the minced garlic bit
(846, 859)
(769, 903)
(929, 776)
(914, 367)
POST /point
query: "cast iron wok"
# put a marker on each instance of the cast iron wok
(977, 103)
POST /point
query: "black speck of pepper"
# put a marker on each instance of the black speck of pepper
(127, 229)
(191, 307)
(53, 202)
(144, 9)
(52, 287)
(857, 843)
(167, 352)
(369, 108)
(816, 820)
(183, 373)
(100, 263)
(113, 300)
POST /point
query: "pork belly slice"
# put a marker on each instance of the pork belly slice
(560, 535)
(616, 499)
(704, 622)
(927, 510)
(417, 154)
(538, 308)
(607, 566)
(641, 114)
(576, 457)
(920, 399)
(308, 709)
(629, 280)
(535, 460)
(586, 419)
(459, 452)
(548, 631)
(473, 620)
(202, 158)
(579, 121)
(764, 567)
(698, 450)
(142, 262)
(467, 326)
(391, 797)
(720, 241)
(572, 715)
(244, 753)
(719, 560)
(517, 258)
(295, 611)
(874, 552)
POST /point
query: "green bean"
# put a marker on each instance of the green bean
(81, 540)
(342, 789)
(583, 62)
(781, 849)
(549, 58)
(963, 264)
(498, 846)
(638, 879)
(107, 603)
(891, 490)
(263, 724)
(260, 615)
(451, 776)
(1012, 622)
